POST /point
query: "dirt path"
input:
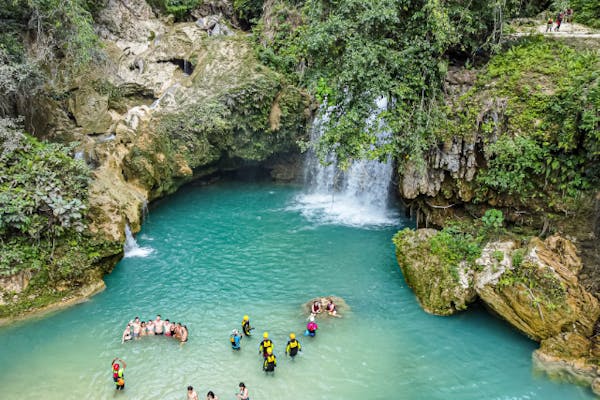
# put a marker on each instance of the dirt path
(566, 30)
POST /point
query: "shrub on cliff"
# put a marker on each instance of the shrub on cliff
(43, 192)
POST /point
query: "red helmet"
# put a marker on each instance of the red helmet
(115, 366)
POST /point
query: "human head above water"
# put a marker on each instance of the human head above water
(190, 388)
(242, 385)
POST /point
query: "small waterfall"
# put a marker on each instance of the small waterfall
(358, 196)
(131, 247)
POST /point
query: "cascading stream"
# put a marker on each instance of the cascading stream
(358, 196)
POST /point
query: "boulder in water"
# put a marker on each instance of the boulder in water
(340, 304)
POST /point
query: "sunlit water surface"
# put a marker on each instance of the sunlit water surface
(230, 249)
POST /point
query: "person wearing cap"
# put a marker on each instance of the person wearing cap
(235, 339)
(270, 361)
(293, 346)
(265, 345)
(246, 326)
(118, 371)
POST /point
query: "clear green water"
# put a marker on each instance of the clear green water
(243, 248)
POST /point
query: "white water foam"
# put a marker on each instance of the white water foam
(356, 197)
(131, 247)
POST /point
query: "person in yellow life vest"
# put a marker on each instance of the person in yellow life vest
(293, 346)
(270, 361)
(265, 345)
(118, 373)
(246, 328)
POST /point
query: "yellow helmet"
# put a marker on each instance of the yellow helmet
(266, 335)
(292, 336)
(245, 318)
(269, 350)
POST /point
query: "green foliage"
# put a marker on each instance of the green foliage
(179, 8)
(493, 219)
(586, 12)
(62, 29)
(43, 192)
(545, 140)
(360, 51)
(540, 281)
(452, 247)
(517, 257)
(248, 11)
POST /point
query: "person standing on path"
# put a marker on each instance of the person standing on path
(549, 25)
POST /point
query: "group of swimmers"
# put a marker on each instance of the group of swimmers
(136, 329)
(293, 345)
(241, 395)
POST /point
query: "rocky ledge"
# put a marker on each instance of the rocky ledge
(534, 286)
(170, 103)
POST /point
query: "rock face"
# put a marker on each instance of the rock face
(534, 288)
(181, 104)
(169, 104)
(438, 290)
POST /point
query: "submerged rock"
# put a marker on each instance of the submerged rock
(340, 305)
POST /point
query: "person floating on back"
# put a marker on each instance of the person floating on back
(246, 328)
(118, 371)
(265, 345)
(311, 328)
(270, 361)
(235, 339)
(293, 346)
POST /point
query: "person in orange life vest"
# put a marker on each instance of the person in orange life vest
(118, 373)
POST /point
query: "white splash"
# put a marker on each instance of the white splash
(131, 247)
(358, 196)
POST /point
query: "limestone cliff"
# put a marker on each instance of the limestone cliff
(169, 103)
(534, 287)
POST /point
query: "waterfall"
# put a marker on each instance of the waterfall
(131, 247)
(358, 196)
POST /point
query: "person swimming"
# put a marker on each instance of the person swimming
(316, 307)
(243, 394)
(126, 334)
(331, 309)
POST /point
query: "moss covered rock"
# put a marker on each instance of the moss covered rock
(442, 287)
